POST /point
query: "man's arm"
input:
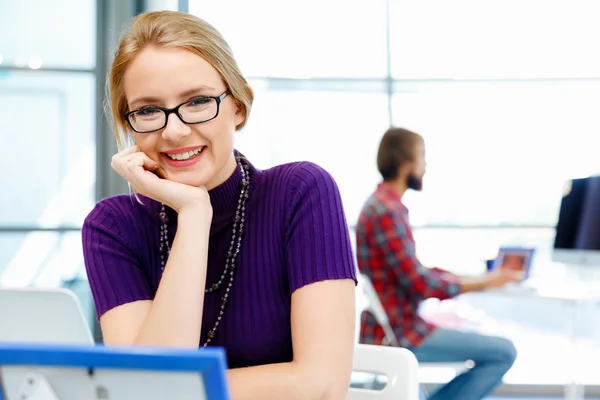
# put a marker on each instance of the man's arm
(494, 279)
(393, 235)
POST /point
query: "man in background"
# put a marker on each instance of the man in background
(386, 254)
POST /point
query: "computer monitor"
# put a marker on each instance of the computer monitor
(577, 240)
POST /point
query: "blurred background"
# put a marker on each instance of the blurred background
(505, 94)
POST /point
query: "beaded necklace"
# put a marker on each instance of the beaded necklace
(234, 245)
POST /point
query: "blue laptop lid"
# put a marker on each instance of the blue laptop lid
(209, 362)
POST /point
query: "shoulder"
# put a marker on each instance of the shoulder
(300, 176)
(379, 213)
(117, 212)
(376, 207)
(302, 190)
(317, 238)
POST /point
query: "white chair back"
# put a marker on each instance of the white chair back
(362, 303)
(398, 365)
(368, 300)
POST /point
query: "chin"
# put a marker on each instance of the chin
(202, 173)
(415, 184)
(191, 178)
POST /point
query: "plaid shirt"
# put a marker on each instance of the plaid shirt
(386, 254)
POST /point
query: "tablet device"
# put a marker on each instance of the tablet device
(515, 259)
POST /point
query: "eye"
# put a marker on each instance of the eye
(148, 111)
(199, 101)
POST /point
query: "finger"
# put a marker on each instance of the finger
(141, 160)
(131, 167)
(137, 171)
(123, 155)
(129, 150)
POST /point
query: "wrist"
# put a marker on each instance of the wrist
(474, 284)
(486, 282)
(196, 213)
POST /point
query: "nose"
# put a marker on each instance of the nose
(175, 129)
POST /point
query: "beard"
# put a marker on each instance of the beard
(414, 183)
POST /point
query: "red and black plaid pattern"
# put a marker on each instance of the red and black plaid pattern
(386, 254)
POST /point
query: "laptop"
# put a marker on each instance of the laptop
(42, 315)
(47, 351)
(518, 259)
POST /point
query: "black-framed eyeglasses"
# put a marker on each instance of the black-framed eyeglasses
(195, 111)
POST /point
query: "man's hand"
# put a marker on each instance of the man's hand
(499, 278)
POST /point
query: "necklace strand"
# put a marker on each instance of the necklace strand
(234, 246)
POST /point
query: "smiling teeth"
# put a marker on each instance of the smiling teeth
(185, 156)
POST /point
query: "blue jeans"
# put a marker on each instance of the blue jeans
(493, 357)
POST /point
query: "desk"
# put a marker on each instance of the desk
(574, 296)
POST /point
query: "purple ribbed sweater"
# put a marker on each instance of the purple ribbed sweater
(295, 234)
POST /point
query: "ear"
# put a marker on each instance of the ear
(406, 168)
(240, 114)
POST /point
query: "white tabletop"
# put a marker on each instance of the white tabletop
(570, 291)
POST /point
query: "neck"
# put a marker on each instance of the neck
(224, 174)
(399, 185)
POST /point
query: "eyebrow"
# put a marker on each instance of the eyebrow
(190, 92)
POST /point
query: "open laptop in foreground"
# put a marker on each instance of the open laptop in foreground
(47, 352)
(42, 316)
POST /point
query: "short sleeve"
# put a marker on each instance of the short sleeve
(318, 244)
(112, 268)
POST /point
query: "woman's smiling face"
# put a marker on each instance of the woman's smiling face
(196, 154)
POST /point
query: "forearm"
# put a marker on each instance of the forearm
(279, 381)
(423, 283)
(175, 318)
(472, 283)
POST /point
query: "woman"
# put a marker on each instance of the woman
(214, 251)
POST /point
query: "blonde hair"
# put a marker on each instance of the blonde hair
(173, 29)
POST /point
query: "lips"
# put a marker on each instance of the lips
(186, 155)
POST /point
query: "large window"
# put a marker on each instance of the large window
(48, 116)
(307, 39)
(49, 34)
(319, 70)
(504, 92)
(322, 124)
(48, 120)
(502, 149)
(508, 114)
(500, 39)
